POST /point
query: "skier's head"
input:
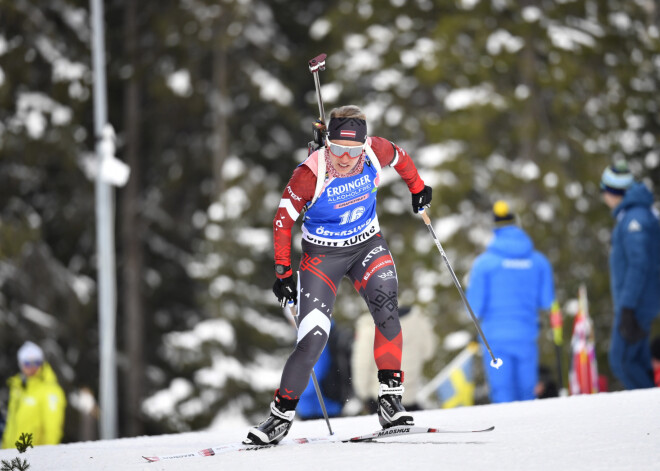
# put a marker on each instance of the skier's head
(616, 178)
(347, 123)
(30, 358)
(347, 133)
(502, 214)
(614, 183)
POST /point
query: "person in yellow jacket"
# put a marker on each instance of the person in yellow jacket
(36, 401)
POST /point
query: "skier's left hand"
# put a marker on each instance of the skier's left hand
(629, 327)
(422, 199)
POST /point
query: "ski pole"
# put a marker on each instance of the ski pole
(495, 362)
(317, 65)
(294, 322)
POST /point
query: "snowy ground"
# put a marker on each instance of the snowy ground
(614, 431)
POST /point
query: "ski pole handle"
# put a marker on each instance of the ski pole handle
(294, 315)
(425, 217)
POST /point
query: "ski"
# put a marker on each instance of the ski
(240, 446)
(398, 430)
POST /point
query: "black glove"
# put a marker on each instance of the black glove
(629, 328)
(285, 290)
(422, 199)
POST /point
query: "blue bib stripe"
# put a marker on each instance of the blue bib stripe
(345, 212)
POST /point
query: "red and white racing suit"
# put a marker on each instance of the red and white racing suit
(341, 237)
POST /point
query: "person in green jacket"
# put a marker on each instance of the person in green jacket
(36, 401)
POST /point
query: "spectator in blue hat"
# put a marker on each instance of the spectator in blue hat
(634, 274)
(510, 283)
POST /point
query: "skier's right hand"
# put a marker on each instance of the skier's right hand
(285, 290)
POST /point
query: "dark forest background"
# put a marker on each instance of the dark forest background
(213, 104)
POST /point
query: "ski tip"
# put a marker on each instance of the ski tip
(151, 459)
(439, 430)
(357, 440)
(489, 429)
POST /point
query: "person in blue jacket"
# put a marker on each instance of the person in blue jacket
(634, 274)
(509, 284)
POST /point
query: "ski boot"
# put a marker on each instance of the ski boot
(272, 430)
(390, 410)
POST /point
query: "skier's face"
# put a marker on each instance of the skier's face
(344, 155)
(29, 368)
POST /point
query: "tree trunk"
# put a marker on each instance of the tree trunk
(131, 236)
(220, 108)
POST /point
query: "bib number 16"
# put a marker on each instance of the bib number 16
(352, 215)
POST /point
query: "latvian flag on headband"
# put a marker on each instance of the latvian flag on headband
(347, 133)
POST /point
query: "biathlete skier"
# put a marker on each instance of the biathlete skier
(341, 237)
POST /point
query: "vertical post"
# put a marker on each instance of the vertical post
(104, 238)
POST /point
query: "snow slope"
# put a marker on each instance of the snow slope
(610, 431)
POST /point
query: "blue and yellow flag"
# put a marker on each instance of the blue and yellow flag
(457, 389)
